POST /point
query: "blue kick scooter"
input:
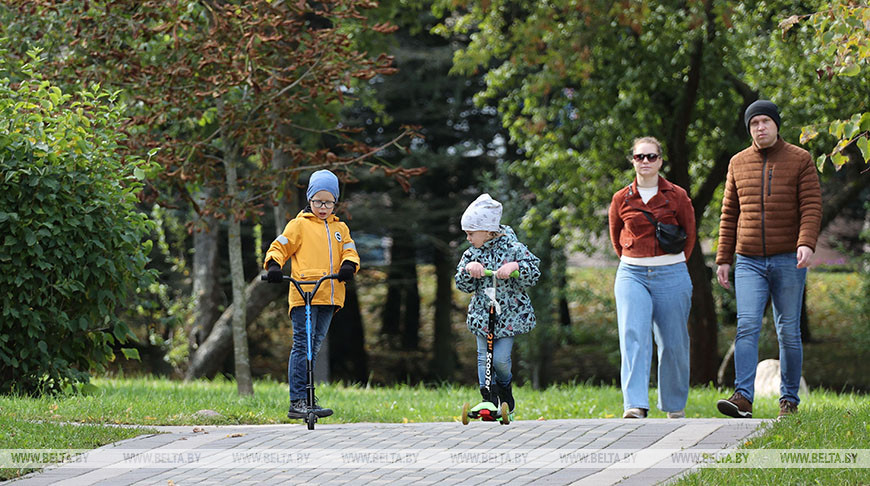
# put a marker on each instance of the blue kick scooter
(310, 416)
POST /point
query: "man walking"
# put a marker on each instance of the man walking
(771, 214)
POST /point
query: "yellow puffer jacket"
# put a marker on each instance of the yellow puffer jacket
(315, 247)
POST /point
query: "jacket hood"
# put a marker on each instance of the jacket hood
(309, 215)
(508, 236)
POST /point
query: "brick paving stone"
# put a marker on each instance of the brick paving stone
(331, 450)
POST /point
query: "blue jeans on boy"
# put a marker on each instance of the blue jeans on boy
(297, 375)
(501, 360)
(756, 279)
(654, 301)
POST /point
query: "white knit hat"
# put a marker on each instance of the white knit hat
(483, 214)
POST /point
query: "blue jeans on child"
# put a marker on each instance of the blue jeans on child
(501, 360)
(755, 280)
(321, 316)
(654, 301)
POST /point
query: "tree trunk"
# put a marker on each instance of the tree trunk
(244, 383)
(211, 354)
(401, 315)
(537, 347)
(205, 282)
(806, 336)
(284, 209)
(444, 359)
(703, 324)
(411, 313)
(348, 360)
(391, 313)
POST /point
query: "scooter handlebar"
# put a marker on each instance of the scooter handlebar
(514, 274)
(299, 283)
(288, 278)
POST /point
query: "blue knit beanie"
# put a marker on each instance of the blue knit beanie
(322, 180)
(761, 107)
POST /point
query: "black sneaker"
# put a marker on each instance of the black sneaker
(737, 406)
(490, 394)
(320, 411)
(298, 409)
(505, 394)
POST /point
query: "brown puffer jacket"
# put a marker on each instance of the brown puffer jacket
(772, 203)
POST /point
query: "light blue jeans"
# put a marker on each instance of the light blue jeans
(297, 374)
(654, 302)
(501, 360)
(755, 280)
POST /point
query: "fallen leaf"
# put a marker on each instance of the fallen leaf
(237, 434)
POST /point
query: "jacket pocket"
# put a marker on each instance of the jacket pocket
(311, 273)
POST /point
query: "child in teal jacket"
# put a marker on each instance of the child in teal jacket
(495, 247)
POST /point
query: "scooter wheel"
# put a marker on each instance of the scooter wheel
(465, 407)
(311, 419)
(505, 413)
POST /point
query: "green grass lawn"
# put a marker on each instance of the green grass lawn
(43, 422)
(846, 426)
(152, 401)
(16, 433)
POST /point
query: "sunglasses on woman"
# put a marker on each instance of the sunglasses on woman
(640, 157)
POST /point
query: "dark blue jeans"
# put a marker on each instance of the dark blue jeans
(501, 360)
(321, 316)
(755, 280)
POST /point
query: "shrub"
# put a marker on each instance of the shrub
(70, 237)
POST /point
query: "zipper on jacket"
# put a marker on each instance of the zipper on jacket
(763, 170)
(331, 281)
(769, 179)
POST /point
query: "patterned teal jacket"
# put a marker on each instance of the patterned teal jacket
(517, 315)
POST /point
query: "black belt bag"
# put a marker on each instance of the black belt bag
(671, 237)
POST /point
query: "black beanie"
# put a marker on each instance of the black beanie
(762, 107)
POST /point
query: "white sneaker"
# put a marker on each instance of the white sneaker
(634, 413)
(675, 415)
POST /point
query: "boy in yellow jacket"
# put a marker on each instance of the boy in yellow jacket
(317, 244)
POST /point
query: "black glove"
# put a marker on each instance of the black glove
(275, 274)
(346, 271)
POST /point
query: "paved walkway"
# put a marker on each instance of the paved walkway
(552, 452)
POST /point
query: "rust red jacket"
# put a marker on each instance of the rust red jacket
(631, 232)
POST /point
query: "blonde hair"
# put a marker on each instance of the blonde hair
(640, 140)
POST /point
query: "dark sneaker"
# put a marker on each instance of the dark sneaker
(506, 394)
(737, 406)
(490, 395)
(298, 409)
(787, 407)
(320, 411)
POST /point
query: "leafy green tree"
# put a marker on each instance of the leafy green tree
(221, 88)
(460, 143)
(842, 48)
(576, 80)
(72, 248)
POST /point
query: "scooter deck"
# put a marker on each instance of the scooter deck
(486, 412)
